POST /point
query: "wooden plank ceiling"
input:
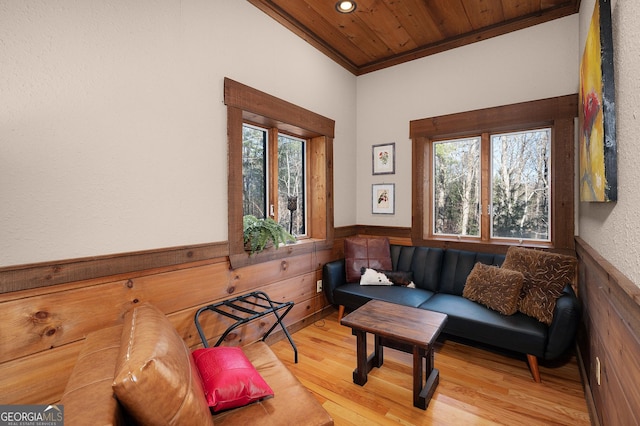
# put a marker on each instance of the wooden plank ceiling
(383, 33)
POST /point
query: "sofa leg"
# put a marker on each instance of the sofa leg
(533, 365)
(340, 312)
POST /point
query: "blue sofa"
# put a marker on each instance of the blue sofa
(440, 276)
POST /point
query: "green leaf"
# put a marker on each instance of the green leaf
(258, 233)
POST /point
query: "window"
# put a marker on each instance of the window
(520, 190)
(501, 175)
(291, 184)
(285, 166)
(254, 171)
(279, 158)
(456, 174)
(518, 185)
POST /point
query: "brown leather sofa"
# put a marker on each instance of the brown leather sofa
(147, 337)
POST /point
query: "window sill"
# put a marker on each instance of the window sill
(307, 245)
(492, 246)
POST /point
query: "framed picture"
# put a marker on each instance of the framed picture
(384, 159)
(383, 198)
(598, 147)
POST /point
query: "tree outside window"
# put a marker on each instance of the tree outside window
(284, 167)
(456, 173)
(519, 189)
(291, 184)
(254, 171)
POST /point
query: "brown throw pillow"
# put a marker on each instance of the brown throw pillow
(545, 275)
(360, 252)
(156, 379)
(496, 288)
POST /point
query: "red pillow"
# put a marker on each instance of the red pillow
(228, 377)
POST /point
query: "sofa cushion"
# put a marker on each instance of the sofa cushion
(381, 277)
(424, 262)
(365, 252)
(496, 288)
(228, 377)
(292, 403)
(545, 275)
(156, 379)
(354, 295)
(470, 320)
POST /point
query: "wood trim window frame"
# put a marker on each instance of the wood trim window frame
(558, 113)
(248, 105)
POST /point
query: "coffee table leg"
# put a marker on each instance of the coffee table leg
(422, 395)
(360, 373)
(378, 357)
(418, 356)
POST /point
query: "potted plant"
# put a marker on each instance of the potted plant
(262, 233)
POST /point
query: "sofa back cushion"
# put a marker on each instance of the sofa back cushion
(457, 265)
(424, 262)
(156, 379)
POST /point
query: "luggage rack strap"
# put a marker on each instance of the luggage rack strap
(270, 307)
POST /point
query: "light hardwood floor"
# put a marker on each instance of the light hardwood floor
(477, 387)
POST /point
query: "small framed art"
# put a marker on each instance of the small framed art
(383, 198)
(384, 159)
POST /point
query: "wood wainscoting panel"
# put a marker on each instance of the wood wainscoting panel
(610, 332)
(39, 323)
(39, 378)
(42, 329)
(299, 289)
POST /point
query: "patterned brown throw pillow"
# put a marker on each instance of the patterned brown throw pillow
(545, 275)
(496, 288)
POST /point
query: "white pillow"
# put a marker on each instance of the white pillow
(373, 277)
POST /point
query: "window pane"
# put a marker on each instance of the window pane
(291, 184)
(254, 187)
(520, 196)
(456, 170)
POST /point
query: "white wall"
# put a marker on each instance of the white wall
(535, 63)
(112, 123)
(113, 129)
(612, 228)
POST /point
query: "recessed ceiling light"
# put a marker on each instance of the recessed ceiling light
(346, 6)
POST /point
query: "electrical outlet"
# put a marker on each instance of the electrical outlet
(319, 286)
(598, 370)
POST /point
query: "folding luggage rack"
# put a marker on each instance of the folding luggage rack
(251, 306)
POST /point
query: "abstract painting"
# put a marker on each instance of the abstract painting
(598, 148)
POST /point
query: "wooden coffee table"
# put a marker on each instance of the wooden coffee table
(399, 327)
